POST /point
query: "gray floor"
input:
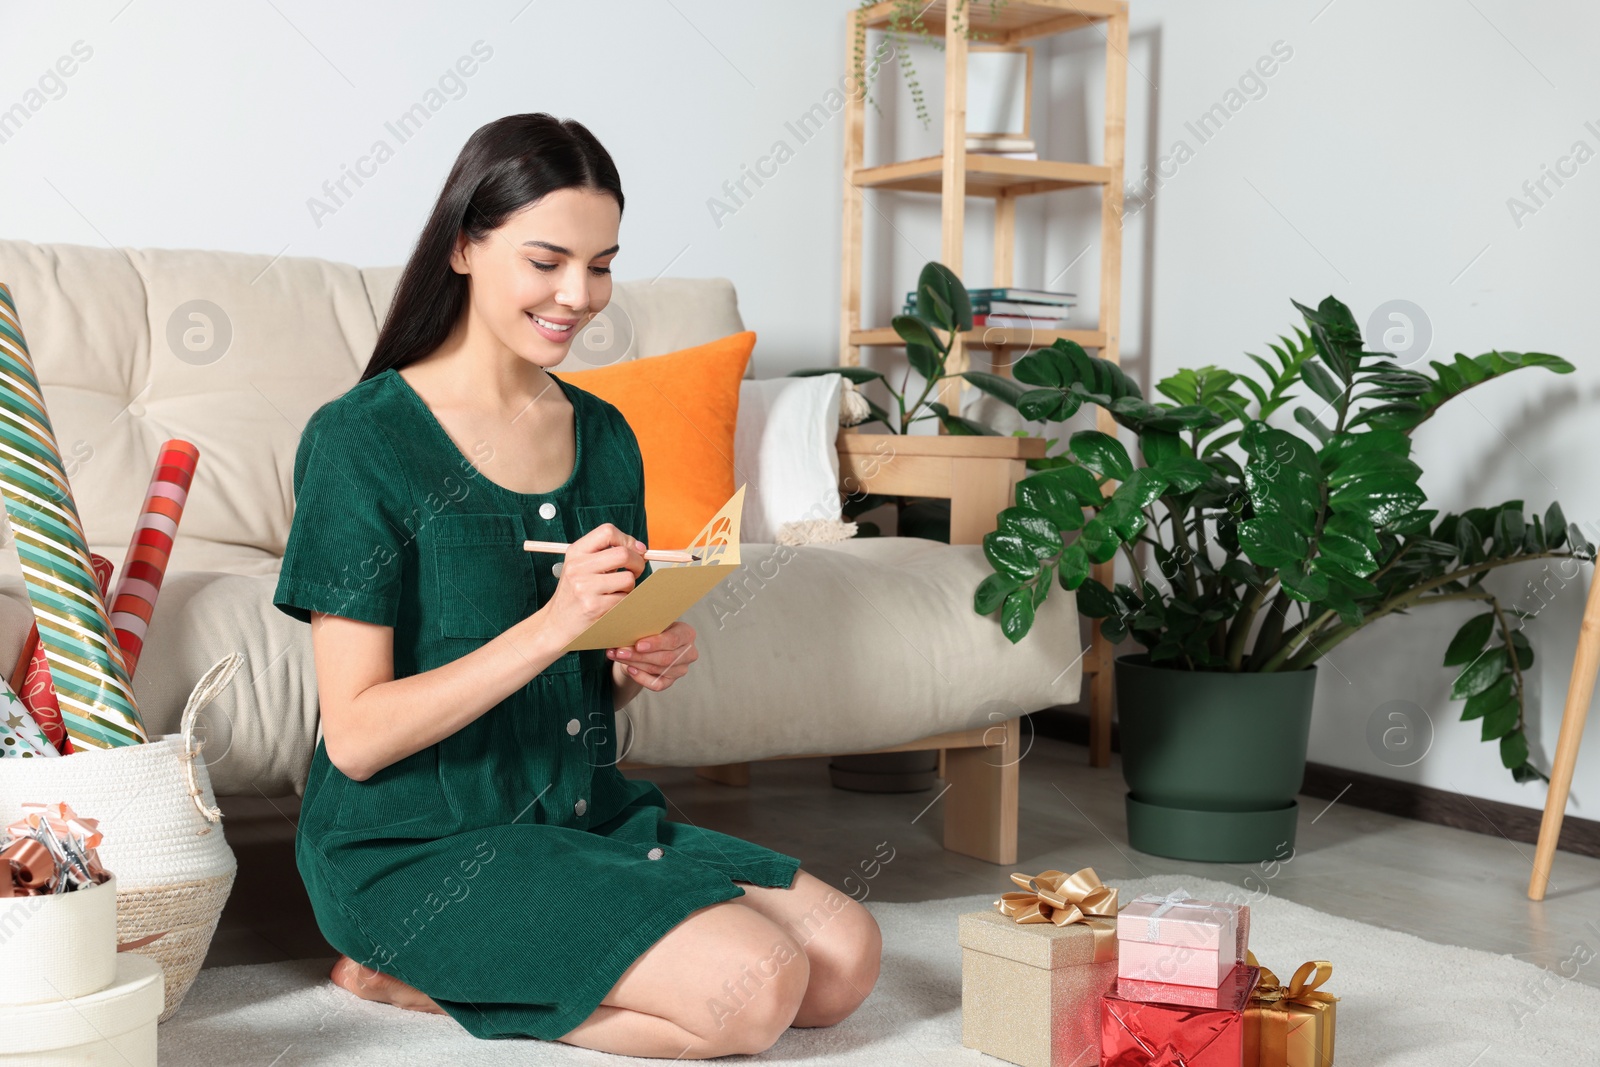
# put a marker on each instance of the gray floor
(1444, 885)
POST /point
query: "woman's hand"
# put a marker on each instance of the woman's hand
(655, 662)
(599, 569)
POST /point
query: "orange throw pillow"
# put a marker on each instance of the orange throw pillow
(682, 407)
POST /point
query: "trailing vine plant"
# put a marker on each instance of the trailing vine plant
(906, 19)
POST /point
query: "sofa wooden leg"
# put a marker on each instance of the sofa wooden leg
(726, 773)
(980, 808)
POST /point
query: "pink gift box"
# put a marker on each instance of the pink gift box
(1180, 941)
(1193, 996)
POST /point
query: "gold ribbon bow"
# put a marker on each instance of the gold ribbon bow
(1060, 898)
(1277, 1003)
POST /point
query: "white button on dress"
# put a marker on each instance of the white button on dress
(654, 853)
(547, 510)
(580, 807)
(573, 726)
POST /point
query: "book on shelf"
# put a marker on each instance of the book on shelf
(1056, 319)
(1011, 301)
(978, 142)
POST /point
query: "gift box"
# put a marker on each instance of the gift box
(1195, 996)
(1140, 1033)
(1033, 971)
(1291, 1026)
(1179, 940)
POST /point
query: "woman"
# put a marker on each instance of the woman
(466, 838)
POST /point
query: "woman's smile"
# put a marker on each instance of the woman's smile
(557, 330)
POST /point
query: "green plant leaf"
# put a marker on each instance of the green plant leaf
(1322, 383)
(1303, 584)
(914, 331)
(924, 359)
(1379, 486)
(959, 425)
(991, 591)
(1036, 529)
(1010, 555)
(1073, 567)
(1184, 473)
(1157, 446)
(1270, 541)
(1469, 640)
(1016, 614)
(1466, 373)
(1095, 601)
(1501, 721)
(1349, 540)
(1102, 454)
(939, 281)
(1050, 404)
(1049, 493)
(1479, 675)
(1305, 418)
(1555, 526)
(859, 375)
(1514, 749)
(1099, 539)
(1282, 477)
(1006, 389)
(1480, 704)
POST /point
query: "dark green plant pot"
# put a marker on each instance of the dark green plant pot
(1212, 759)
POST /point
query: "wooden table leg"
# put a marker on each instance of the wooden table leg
(1579, 691)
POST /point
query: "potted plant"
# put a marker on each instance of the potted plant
(1273, 541)
(940, 310)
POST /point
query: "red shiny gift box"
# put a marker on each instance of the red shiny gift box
(1149, 1033)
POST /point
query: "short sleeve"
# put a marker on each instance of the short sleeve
(343, 555)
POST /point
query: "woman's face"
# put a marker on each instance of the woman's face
(538, 279)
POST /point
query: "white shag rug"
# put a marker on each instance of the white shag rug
(1403, 1001)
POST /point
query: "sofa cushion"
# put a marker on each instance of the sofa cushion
(772, 678)
(233, 352)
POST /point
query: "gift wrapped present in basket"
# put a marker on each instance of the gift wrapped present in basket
(68, 996)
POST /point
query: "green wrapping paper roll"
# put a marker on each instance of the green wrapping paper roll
(91, 681)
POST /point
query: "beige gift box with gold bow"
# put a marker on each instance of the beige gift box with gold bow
(1033, 970)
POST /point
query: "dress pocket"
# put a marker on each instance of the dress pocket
(484, 577)
(623, 515)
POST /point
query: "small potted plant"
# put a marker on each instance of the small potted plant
(940, 310)
(1271, 545)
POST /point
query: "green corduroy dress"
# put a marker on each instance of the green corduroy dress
(510, 871)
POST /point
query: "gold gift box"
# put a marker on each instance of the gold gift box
(1030, 992)
(1292, 1025)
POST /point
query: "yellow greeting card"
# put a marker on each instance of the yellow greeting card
(671, 588)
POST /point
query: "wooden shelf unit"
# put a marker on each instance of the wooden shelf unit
(956, 174)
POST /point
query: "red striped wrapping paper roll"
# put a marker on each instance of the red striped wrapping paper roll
(146, 563)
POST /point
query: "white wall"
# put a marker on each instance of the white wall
(1376, 165)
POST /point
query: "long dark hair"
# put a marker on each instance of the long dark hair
(505, 165)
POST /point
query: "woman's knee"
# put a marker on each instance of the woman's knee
(846, 974)
(750, 1010)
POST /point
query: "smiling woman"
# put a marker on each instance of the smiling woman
(455, 726)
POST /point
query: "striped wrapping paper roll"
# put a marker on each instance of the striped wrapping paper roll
(30, 679)
(146, 563)
(92, 685)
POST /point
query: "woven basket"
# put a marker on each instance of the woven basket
(163, 834)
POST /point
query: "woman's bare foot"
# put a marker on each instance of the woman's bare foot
(376, 986)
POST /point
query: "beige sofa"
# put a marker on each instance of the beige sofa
(823, 649)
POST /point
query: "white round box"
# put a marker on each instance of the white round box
(58, 946)
(115, 1027)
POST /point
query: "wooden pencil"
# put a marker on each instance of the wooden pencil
(659, 555)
